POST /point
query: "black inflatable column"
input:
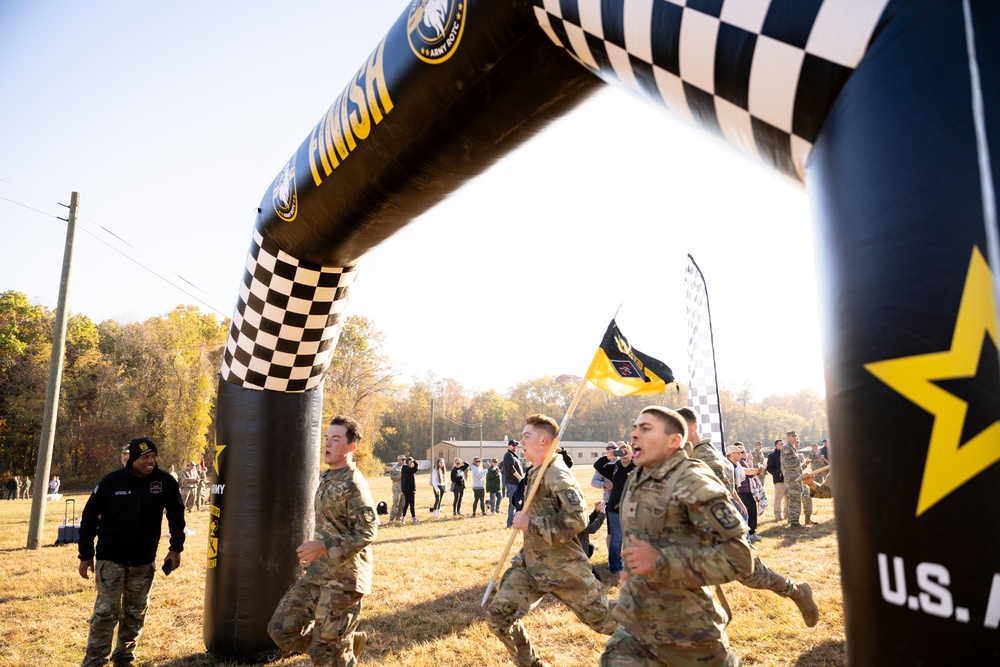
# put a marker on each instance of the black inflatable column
(260, 485)
(897, 177)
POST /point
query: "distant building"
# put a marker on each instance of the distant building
(583, 453)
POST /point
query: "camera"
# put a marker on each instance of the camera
(168, 566)
(621, 452)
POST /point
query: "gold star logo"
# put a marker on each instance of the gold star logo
(950, 464)
(218, 451)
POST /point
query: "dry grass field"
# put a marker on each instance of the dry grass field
(424, 610)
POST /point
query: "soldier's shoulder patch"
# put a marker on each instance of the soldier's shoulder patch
(723, 513)
(573, 497)
(368, 513)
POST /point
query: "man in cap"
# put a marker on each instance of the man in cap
(799, 499)
(512, 473)
(319, 614)
(125, 456)
(189, 485)
(551, 560)
(396, 475)
(125, 514)
(763, 577)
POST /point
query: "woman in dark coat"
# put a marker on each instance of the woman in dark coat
(458, 485)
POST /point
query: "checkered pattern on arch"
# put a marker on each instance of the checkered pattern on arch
(703, 390)
(287, 320)
(761, 74)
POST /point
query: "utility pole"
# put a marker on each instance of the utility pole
(44, 464)
(480, 441)
(432, 433)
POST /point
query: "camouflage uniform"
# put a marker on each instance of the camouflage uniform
(824, 490)
(799, 498)
(709, 454)
(670, 617)
(199, 497)
(759, 461)
(319, 613)
(189, 486)
(122, 593)
(762, 577)
(551, 561)
(396, 475)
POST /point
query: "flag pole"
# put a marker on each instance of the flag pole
(534, 486)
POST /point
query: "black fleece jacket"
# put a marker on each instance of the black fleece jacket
(125, 514)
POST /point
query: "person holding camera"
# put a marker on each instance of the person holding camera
(408, 488)
(458, 485)
(125, 514)
(617, 471)
(512, 474)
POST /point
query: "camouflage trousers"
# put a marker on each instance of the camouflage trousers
(624, 650)
(122, 600)
(188, 495)
(519, 592)
(397, 503)
(799, 500)
(765, 579)
(319, 621)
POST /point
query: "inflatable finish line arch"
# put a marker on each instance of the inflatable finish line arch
(887, 110)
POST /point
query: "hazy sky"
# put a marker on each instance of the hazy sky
(171, 120)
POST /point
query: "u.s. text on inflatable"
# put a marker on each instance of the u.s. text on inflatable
(888, 112)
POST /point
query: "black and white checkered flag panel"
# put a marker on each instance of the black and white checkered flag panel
(761, 74)
(287, 321)
(703, 390)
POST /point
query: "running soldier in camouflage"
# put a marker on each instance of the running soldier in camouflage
(551, 560)
(763, 577)
(396, 475)
(799, 499)
(682, 537)
(703, 450)
(320, 612)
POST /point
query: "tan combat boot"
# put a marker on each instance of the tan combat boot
(802, 596)
(358, 642)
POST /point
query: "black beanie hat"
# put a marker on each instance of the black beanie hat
(138, 447)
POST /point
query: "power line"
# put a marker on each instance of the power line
(137, 262)
(30, 208)
(458, 423)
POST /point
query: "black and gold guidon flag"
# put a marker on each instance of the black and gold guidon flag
(621, 370)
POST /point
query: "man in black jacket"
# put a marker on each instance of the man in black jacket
(617, 471)
(774, 468)
(513, 473)
(126, 509)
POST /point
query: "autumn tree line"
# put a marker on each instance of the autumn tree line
(158, 378)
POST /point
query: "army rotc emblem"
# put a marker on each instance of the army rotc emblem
(283, 195)
(434, 28)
